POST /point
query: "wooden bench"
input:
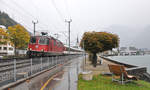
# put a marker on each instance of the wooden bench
(119, 70)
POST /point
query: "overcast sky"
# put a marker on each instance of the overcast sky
(130, 19)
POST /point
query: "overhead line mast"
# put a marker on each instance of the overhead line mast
(34, 23)
(69, 21)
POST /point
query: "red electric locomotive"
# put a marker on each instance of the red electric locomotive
(45, 46)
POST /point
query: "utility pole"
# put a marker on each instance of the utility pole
(69, 21)
(34, 23)
(83, 57)
(77, 43)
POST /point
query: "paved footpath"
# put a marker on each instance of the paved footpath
(100, 68)
(60, 81)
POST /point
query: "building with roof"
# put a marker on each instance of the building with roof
(6, 49)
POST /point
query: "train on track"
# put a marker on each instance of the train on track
(47, 46)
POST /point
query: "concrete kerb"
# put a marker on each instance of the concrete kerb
(32, 76)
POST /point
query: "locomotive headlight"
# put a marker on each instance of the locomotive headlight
(30, 49)
(36, 46)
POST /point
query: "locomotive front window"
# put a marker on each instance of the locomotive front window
(33, 40)
(43, 41)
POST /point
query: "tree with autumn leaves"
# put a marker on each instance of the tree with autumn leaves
(3, 36)
(95, 42)
(19, 36)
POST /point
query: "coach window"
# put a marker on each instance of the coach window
(5, 48)
(33, 40)
(11, 49)
(0, 48)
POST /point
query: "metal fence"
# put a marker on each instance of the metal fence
(13, 70)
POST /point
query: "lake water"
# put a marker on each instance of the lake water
(143, 61)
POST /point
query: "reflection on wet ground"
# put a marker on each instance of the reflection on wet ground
(69, 75)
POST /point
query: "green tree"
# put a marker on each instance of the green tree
(19, 36)
(95, 42)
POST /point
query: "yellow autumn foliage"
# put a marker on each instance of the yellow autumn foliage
(19, 36)
(3, 36)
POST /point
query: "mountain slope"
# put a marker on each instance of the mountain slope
(6, 20)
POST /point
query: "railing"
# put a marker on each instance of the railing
(13, 70)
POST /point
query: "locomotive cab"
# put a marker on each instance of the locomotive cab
(33, 41)
(38, 43)
(44, 45)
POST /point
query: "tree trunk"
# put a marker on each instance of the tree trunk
(15, 50)
(90, 56)
(94, 61)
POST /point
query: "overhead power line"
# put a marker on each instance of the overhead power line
(34, 6)
(33, 17)
(23, 12)
(58, 11)
(67, 9)
(11, 9)
(22, 8)
(26, 13)
(37, 9)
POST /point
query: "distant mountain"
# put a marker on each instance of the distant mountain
(6, 20)
(132, 36)
(125, 34)
(142, 40)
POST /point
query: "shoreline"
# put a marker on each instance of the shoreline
(140, 72)
(100, 68)
(120, 63)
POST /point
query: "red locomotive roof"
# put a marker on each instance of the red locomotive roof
(50, 37)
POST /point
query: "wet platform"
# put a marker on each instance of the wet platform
(67, 79)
